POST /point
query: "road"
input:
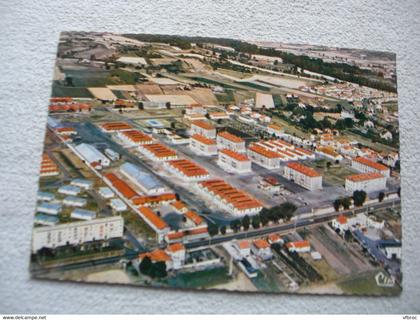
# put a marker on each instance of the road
(306, 222)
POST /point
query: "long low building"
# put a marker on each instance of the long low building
(226, 140)
(203, 145)
(154, 221)
(302, 175)
(234, 162)
(227, 197)
(158, 152)
(77, 233)
(115, 126)
(366, 165)
(48, 167)
(144, 180)
(187, 170)
(92, 155)
(134, 137)
(368, 182)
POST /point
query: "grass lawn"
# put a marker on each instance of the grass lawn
(200, 279)
(335, 175)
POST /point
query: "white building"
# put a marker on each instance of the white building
(177, 253)
(49, 208)
(144, 180)
(82, 214)
(203, 128)
(118, 205)
(340, 223)
(106, 193)
(203, 145)
(302, 175)
(134, 137)
(366, 165)
(76, 233)
(158, 152)
(69, 190)
(329, 153)
(234, 162)
(261, 248)
(368, 182)
(276, 130)
(299, 246)
(263, 157)
(392, 249)
(45, 196)
(226, 140)
(92, 155)
(72, 201)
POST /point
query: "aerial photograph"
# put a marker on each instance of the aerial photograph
(218, 164)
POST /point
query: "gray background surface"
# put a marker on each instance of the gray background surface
(29, 32)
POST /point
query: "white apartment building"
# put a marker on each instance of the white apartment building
(76, 233)
(203, 145)
(368, 182)
(302, 175)
(203, 128)
(226, 140)
(234, 162)
(263, 157)
(365, 165)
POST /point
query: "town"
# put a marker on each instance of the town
(208, 163)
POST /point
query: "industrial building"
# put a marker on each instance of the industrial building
(82, 183)
(368, 182)
(203, 145)
(227, 197)
(72, 201)
(77, 233)
(82, 214)
(302, 175)
(203, 128)
(234, 162)
(92, 155)
(69, 190)
(366, 165)
(187, 170)
(147, 182)
(49, 208)
(118, 205)
(226, 140)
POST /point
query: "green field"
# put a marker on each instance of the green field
(200, 279)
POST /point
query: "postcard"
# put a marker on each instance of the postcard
(220, 164)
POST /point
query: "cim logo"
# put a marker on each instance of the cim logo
(383, 280)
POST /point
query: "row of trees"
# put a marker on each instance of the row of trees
(359, 198)
(283, 211)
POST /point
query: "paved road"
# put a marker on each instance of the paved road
(288, 227)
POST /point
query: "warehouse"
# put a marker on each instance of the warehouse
(226, 140)
(264, 157)
(187, 170)
(106, 193)
(134, 138)
(69, 190)
(302, 175)
(118, 205)
(72, 201)
(144, 180)
(49, 208)
(229, 198)
(365, 165)
(92, 155)
(203, 128)
(202, 145)
(121, 187)
(82, 183)
(158, 152)
(75, 233)
(234, 162)
(46, 220)
(368, 182)
(45, 196)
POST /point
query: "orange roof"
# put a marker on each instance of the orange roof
(274, 237)
(188, 168)
(244, 244)
(147, 213)
(203, 139)
(175, 247)
(298, 244)
(137, 136)
(159, 150)
(198, 230)
(231, 137)
(365, 176)
(175, 235)
(157, 255)
(328, 150)
(179, 205)
(47, 164)
(234, 155)
(303, 151)
(202, 124)
(370, 163)
(61, 99)
(261, 244)
(121, 186)
(116, 126)
(263, 151)
(65, 129)
(194, 217)
(275, 127)
(143, 200)
(307, 171)
(342, 219)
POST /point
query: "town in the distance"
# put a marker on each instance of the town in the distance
(206, 163)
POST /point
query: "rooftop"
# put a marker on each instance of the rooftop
(202, 124)
(234, 155)
(203, 139)
(365, 176)
(231, 137)
(307, 171)
(370, 163)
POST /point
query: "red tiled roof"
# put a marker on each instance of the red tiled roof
(231, 137)
(307, 171)
(157, 221)
(365, 176)
(370, 163)
(203, 139)
(202, 124)
(234, 155)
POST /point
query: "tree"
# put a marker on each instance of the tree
(145, 265)
(346, 202)
(140, 105)
(256, 222)
(381, 196)
(168, 105)
(235, 225)
(359, 197)
(337, 204)
(213, 229)
(287, 209)
(223, 230)
(159, 270)
(329, 164)
(245, 222)
(264, 218)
